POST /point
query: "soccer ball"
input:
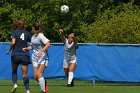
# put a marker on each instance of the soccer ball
(64, 9)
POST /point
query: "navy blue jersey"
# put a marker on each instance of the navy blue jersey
(22, 38)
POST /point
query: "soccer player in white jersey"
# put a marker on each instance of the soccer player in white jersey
(40, 45)
(70, 59)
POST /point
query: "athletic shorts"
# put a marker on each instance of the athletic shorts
(42, 60)
(67, 62)
(18, 59)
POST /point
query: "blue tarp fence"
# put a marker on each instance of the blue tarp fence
(95, 62)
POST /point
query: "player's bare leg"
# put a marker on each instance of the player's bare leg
(71, 75)
(41, 79)
(66, 70)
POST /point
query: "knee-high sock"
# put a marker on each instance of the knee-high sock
(42, 83)
(70, 77)
(26, 82)
(14, 77)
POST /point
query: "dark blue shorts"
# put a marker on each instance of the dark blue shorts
(20, 59)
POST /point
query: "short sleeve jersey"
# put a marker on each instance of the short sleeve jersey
(22, 38)
(69, 50)
(38, 42)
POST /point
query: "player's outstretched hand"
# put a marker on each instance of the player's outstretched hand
(7, 52)
(61, 30)
(39, 54)
(24, 49)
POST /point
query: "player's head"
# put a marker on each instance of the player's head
(70, 37)
(19, 24)
(37, 28)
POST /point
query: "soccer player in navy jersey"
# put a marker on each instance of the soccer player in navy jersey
(40, 45)
(70, 59)
(20, 38)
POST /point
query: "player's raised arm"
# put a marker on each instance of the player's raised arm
(62, 33)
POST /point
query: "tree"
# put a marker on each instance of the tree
(118, 25)
(47, 12)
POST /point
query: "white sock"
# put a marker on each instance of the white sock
(42, 83)
(70, 77)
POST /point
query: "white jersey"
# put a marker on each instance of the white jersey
(38, 42)
(69, 50)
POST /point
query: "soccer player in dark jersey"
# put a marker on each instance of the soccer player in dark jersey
(20, 38)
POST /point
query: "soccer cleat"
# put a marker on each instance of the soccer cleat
(69, 85)
(42, 92)
(14, 89)
(27, 91)
(46, 86)
(72, 83)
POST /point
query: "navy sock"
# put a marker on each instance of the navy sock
(14, 77)
(26, 82)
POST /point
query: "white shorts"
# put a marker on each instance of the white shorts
(42, 60)
(67, 62)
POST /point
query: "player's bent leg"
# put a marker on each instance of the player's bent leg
(66, 70)
(70, 78)
(41, 79)
(26, 84)
(14, 73)
(14, 77)
(72, 67)
(41, 82)
(35, 74)
(71, 75)
(25, 77)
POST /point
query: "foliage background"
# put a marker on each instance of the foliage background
(92, 21)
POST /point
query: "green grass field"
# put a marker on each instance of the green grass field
(58, 86)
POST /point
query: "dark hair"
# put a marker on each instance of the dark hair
(38, 26)
(20, 24)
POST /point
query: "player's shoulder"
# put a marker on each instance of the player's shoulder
(42, 37)
(15, 31)
(24, 31)
(40, 34)
(65, 40)
(20, 31)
